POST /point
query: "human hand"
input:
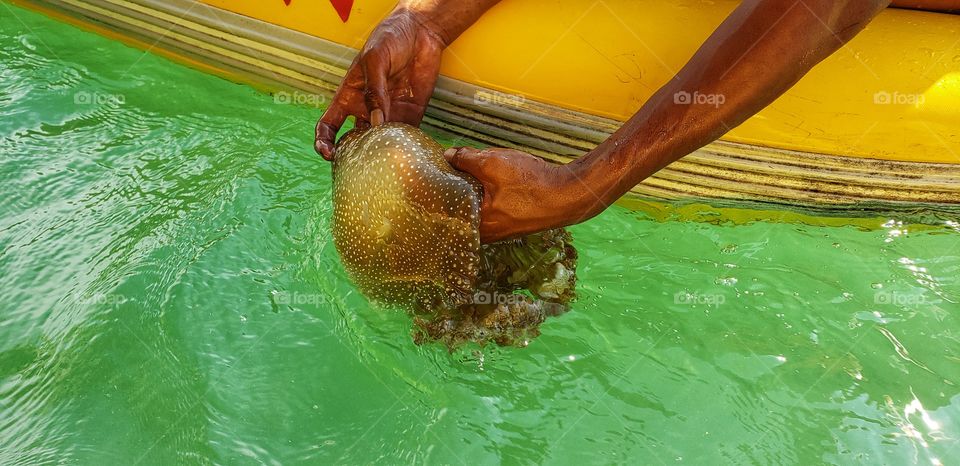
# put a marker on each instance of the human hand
(390, 80)
(522, 194)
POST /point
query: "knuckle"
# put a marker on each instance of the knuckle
(492, 161)
(372, 57)
(324, 130)
(457, 157)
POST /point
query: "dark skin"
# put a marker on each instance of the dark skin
(394, 75)
(392, 78)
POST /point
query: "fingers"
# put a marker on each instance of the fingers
(348, 100)
(465, 159)
(375, 92)
(406, 112)
(488, 236)
(326, 131)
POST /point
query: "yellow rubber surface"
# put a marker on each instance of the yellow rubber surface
(892, 93)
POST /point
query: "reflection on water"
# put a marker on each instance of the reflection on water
(160, 304)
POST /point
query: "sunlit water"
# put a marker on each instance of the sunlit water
(169, 294)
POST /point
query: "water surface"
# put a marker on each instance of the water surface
(169, 294)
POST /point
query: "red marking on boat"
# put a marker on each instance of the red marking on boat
(343, 8)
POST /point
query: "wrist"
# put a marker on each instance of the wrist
(426, 16)
(445, 20)
(581, 196)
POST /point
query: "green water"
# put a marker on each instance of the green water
(169, 294)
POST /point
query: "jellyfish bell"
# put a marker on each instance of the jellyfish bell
(404, 221)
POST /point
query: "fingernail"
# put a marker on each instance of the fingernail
(376, 117)
(449, 152)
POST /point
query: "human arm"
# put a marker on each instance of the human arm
(759, 51)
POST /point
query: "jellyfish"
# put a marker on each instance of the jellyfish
(406, 227)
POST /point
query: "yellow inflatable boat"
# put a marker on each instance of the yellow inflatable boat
(876, 123)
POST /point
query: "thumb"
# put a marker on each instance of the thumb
(465, 159)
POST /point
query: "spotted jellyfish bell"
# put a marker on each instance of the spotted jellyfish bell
(404, 221)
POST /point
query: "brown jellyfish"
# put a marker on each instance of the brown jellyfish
(405, 224)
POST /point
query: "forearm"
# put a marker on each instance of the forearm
(448, 18)
(756, 54)
(930, 5)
